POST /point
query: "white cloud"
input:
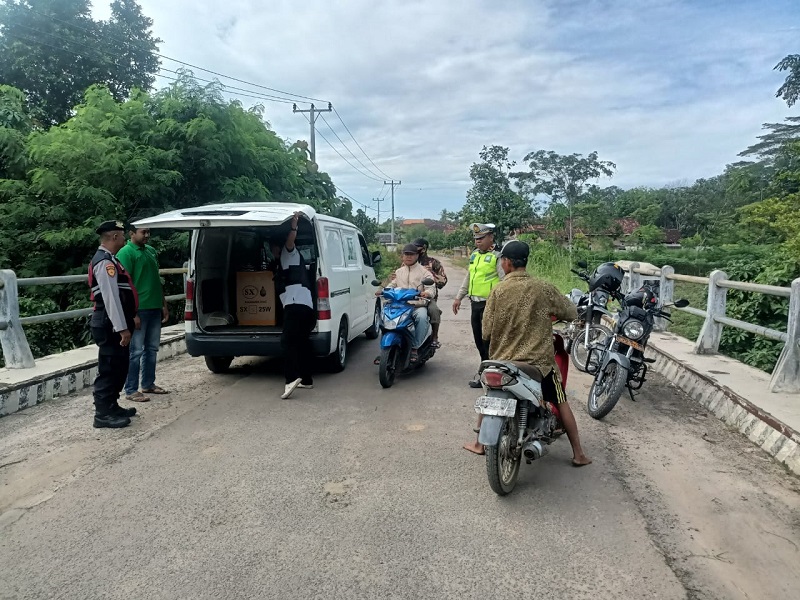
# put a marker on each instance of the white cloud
(667, 89)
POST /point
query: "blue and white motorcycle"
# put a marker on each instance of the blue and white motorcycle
(397, 333)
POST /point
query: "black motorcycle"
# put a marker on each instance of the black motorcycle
(621, 362)
(587, 331)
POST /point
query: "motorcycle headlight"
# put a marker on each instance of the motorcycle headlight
(633, 330)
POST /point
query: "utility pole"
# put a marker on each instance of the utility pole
(313, 114)
(379, 200)
(392, 183)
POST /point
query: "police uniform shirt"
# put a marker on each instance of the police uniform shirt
(295, 293)
(464, 290)
(105, 279)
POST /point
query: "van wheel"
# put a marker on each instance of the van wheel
(218, 364)
(374, 331)
(337, 361)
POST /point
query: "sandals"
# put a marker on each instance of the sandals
(156, 390)
(436, 344)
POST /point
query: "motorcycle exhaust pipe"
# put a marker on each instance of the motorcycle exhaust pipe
(534, 449)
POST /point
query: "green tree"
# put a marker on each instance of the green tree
(491, 198)
(562, 178)
(790, 90)
(368, 226)
(649, 235)
(53, 51)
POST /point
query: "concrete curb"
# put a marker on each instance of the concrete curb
(66, 373)
(774, 437)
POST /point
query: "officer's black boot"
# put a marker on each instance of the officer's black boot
(123, 412)
(110, 419)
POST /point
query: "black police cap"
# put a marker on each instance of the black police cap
(107, 226)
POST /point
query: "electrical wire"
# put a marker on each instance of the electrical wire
(267, 97)
(366, 168)
(336, 112)
(277, 91)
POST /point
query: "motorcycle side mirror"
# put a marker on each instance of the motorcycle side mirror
(376, 283)
(682, 303)
(428, 281)
(582, 264)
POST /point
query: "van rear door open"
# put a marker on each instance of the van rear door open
(252, 214)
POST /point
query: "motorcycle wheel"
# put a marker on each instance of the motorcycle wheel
(388, 366)
(578, 351)
(603, 397)
(501, 467)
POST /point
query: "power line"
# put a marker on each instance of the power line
(268, 97)
(345, 159)
(128, 42)
(370, 171)
(359, 145)
(349, 197)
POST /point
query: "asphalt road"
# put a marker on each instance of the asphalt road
(222, 490)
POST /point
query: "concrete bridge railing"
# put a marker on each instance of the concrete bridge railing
(14, 344)
(786, 374)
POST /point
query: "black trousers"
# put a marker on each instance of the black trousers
(112, 369)
(298, 323)
(477, 329)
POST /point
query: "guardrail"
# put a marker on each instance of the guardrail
(786, 374)
(14, 344)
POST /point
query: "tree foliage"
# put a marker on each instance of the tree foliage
(53, 51)
(790, 90)
(183, 146)
(562, 179)
(491, 198)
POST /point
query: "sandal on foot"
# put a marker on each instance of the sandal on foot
(137, 397)
(156, 390)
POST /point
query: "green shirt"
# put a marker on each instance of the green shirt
(142, 264)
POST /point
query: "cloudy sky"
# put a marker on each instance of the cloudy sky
(669, 90)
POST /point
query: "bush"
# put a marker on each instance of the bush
(390, 262)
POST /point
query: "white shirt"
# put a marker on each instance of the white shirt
(295, 293)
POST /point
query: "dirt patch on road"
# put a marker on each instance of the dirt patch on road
(53, 444)
(723, 512)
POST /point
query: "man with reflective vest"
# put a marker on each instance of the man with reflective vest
(112, 323)
(483, 274)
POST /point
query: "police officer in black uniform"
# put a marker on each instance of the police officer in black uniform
(112, 323)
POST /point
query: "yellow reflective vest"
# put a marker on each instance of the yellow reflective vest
(483, 275)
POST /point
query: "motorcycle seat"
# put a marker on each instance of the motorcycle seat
(514, 368)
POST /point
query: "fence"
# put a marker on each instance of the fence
(786, 374)
(16, 352)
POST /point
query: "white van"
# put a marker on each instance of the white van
(232, 308)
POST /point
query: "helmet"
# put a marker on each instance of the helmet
(607, 276)
(644, 297)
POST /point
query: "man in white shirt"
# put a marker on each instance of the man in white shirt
(294, 285)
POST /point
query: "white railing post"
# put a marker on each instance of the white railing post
(666, 291)
(636, 278)
(786, 374)
(711, 333)
(16, 351)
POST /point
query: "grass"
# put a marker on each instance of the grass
(684, 324)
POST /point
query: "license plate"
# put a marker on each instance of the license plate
(499, 407)
(635, 345)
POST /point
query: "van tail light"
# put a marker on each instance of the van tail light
(188, 314)
(323, 299)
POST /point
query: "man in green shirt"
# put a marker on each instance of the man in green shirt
(141, 261)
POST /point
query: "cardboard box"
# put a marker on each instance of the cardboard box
(256, 303)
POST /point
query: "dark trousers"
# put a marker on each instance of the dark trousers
(112, 369)
(298, 323)
(477, 329)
